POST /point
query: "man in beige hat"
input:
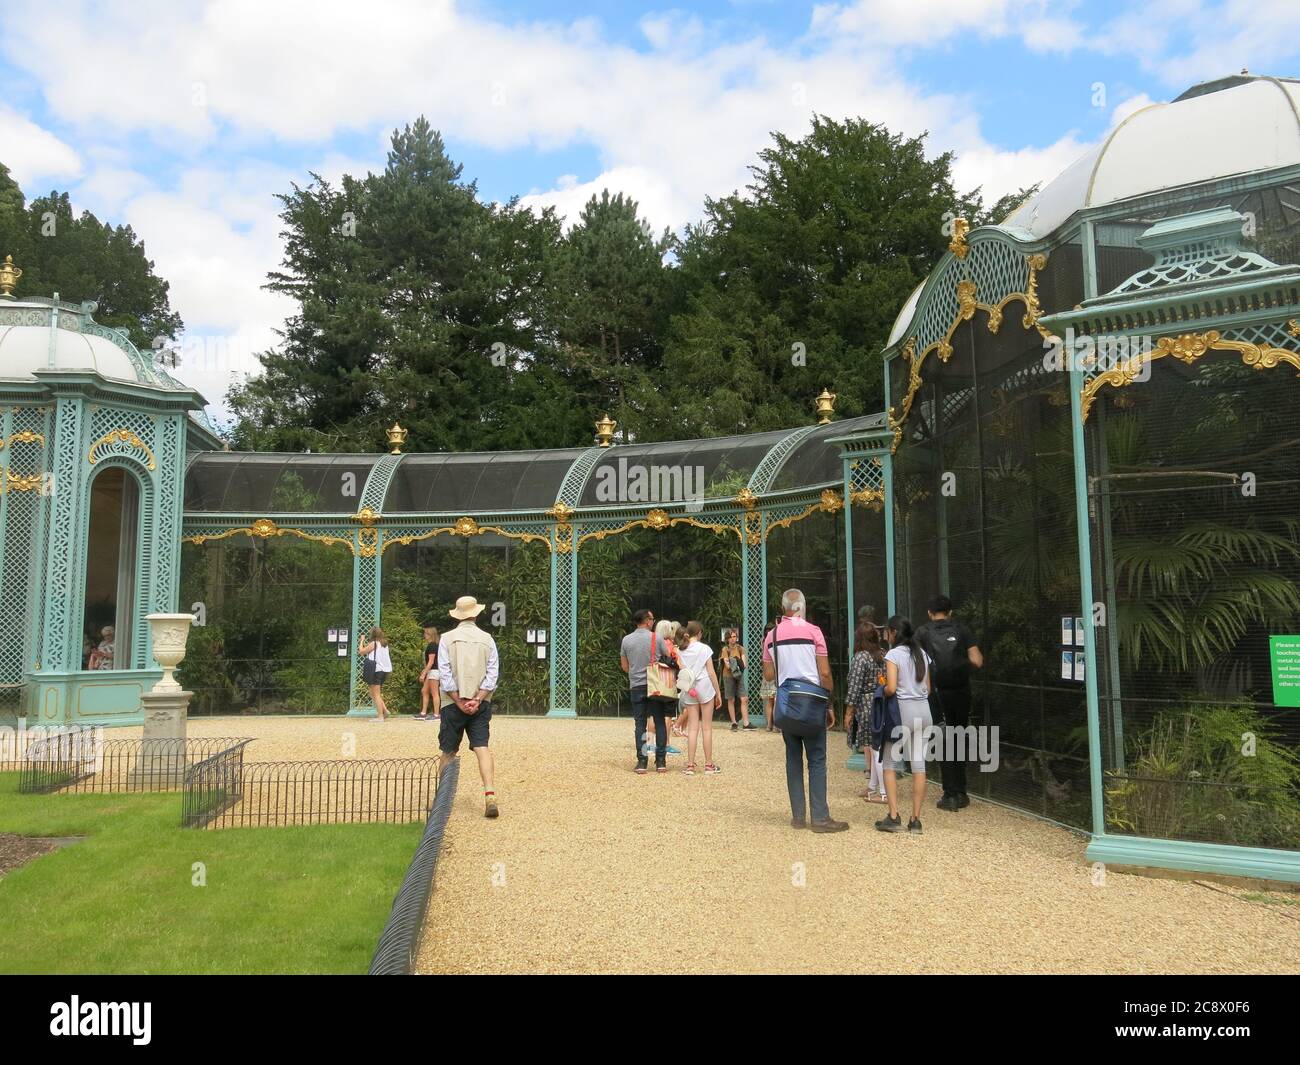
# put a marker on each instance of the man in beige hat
(467, 675)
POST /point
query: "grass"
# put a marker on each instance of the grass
(124, 899)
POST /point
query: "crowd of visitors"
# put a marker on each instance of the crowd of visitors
(901, 681)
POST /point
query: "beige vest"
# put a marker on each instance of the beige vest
(468, 648)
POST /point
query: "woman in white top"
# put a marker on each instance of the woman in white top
(375, 667)
(700, 697)
(907, 675)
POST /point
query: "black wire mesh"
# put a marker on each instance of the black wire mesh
(984, 513)
(1195, 522)
(232, 482)
(267, 608)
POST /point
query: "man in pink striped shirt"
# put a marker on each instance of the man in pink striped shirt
(801, 652)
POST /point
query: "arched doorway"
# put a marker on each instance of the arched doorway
(111, 552)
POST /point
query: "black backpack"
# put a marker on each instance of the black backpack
(948, 650)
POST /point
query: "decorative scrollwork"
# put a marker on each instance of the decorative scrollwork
(869, 497)
(958, 245)
(967, 305)
(1186, 348)
(659, 520)
(20, 482)
(123, 437)
(265, 529)
(366, 516)
(25, 437)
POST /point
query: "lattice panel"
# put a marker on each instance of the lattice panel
(23, 459)
(755, 605)
(997, 269)
(376, 488)
(1272, 334)
(564, 638)
(365, 615)
(866, 475)
(576, 479)
(770, 464)
(64, 553)
(159, 594)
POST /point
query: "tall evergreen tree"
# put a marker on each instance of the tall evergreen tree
(81, 258)
(794, 286)
(609, 295)
(416, 303)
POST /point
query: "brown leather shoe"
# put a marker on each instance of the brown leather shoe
(829, 826)
(796, 823)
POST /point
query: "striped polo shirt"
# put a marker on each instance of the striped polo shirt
(800, 642)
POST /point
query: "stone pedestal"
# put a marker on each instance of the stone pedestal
(162, 758)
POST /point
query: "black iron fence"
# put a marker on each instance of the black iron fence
(83, 761)
(399, 944)
(228, 793)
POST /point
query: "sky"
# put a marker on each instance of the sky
(184, 118)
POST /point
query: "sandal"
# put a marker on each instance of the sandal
(876, 799)
(690, 769)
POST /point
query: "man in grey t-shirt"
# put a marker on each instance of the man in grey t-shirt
(634, 659)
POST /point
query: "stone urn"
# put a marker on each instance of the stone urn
(169, 633)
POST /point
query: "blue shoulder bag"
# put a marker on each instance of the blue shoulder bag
(801, 705)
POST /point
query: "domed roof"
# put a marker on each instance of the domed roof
(41, 334)
(1234, 125)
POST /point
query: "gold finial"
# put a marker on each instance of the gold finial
(605, 430)
(396, 438)
(958, 245)
(825, 404)
(9, 275)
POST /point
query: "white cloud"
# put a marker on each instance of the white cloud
(930, 22)
(229, 79)
(32, 154)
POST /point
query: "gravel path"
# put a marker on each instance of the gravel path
(593, 869)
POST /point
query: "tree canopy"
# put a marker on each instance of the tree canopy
(487, 326)
(82, 258)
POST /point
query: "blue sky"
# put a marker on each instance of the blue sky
(185, 117)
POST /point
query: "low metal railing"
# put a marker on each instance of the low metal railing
(221, 793)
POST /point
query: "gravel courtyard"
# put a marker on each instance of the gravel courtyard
(591, 868)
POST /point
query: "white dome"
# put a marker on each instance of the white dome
(1236, 125)
(28, 343)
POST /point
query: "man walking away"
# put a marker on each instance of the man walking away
(951, 646)
(467, 674)
(634, 658)
(801, 652)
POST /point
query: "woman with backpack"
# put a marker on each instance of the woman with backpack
(734, 664)
(699, 681)
(376, 665)
(907, 677)
(865, 671)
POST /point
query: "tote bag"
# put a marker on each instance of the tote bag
(660, 678)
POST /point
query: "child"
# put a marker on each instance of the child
(102, 656)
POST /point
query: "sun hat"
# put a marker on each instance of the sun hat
(467, 607)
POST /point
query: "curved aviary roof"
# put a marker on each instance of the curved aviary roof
(230, 482)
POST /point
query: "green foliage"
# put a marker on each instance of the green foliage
(482, 327)
(82, 258)
(405, 632)
(1189, 777)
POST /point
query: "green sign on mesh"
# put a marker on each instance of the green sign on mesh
(1284, 654)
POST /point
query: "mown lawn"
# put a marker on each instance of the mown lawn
(124, 900)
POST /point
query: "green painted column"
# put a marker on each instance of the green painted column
(753, 561)
(564, 615)
(857, 760)
(366, 609)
